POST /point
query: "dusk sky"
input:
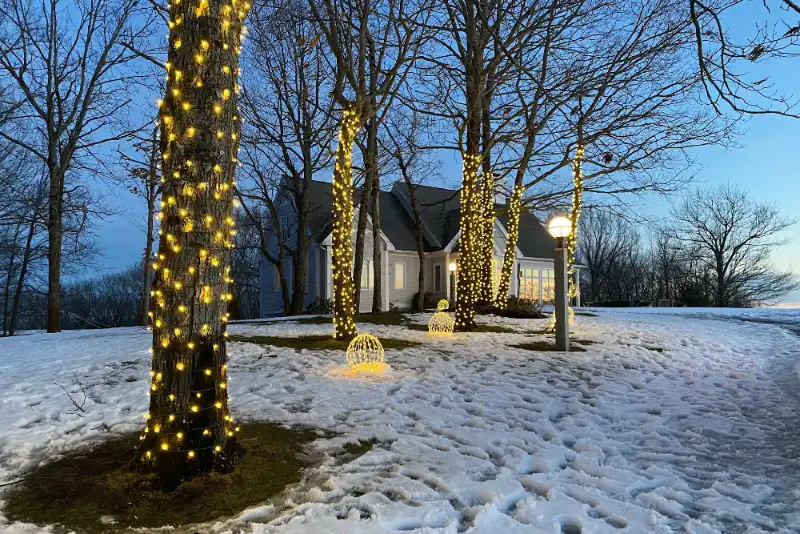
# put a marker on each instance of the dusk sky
(764, 163)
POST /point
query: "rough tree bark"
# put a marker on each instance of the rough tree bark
(189, 429)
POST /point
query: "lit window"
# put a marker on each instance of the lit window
(399, 275)
(367, 276)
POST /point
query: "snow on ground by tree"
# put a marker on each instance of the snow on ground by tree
(474, 435)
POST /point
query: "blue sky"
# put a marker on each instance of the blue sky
(764, 163)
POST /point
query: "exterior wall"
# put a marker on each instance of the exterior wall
(270, 298)
(443, 261)
(365, 303)
(402, 298)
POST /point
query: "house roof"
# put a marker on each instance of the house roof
(440, 213)
(396, 223)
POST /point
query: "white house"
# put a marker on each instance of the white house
(440, 214)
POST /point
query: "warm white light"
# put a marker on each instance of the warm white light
(559, 227)
(452, 267)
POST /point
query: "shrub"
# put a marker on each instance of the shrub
(518, 308)
(320, 305)
(428, 300)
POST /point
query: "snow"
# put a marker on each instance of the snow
(472, 434)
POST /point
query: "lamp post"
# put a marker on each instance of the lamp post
(559, 227)
(452, 268)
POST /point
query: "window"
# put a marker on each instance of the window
(367, 276)
(437, 278)
(529, 283)
(399, 275)
(548, 286)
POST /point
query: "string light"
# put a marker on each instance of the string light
(468, 249)
(197, 202)
(344, 305)
(512, 231)
(577, 199)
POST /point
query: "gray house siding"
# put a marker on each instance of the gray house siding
(402, 297)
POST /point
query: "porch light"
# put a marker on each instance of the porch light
(452, 267)
(559, 227)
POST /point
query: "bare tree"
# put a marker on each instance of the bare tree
(734, 236)
(403, 142)
(348, 27)
(144, 181)
(189, 428)
(604, 240)
(68, 70)
(289, 125)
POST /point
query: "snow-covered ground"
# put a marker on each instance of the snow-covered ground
(473, 435)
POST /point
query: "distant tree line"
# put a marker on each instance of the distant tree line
(110, 300)
(713, 250)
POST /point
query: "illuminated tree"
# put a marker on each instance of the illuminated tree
(351, 29)
(189, 429)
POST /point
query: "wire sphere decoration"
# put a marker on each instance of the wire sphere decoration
(441, 324)
(442, 305)
(365, 354)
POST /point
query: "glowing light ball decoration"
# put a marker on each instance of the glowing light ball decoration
(441, 324)
(442, 305)
(365, 354)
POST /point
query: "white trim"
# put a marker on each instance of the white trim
(452, 243)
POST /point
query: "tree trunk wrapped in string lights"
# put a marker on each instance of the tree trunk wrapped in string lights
(344, 305)
(189, 429)
(468, 257)
(572, 238)
(514, 206)
(486, 240)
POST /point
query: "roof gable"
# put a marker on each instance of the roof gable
(440, 213)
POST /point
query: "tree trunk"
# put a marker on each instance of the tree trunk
(23, 271)
(189, 429)
(152, 187)
(512, 237)
(9, 276)
(377, 252)
(363, 210)
(147, 264)
(470, 201)
(54, 235)
(300, 259)
(344, 307)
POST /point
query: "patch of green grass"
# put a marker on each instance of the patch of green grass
(585, 314)
(385, 318)
(319, 342)
(544, 346)
(79, 489)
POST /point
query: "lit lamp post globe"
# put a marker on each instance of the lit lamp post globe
(560, 227)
